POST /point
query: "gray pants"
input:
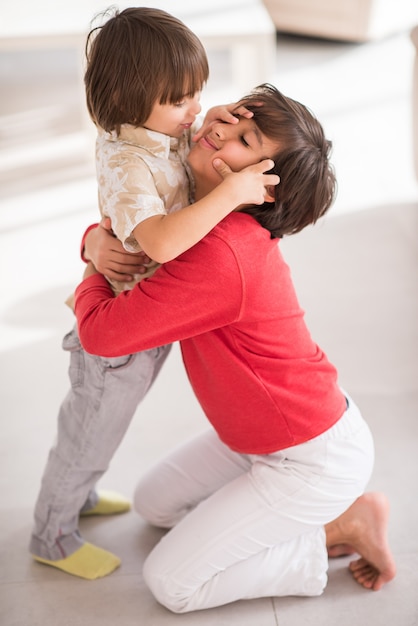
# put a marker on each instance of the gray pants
(92, 421)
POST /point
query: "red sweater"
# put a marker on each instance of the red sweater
(262, 382)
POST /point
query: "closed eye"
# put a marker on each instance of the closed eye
(244, 142)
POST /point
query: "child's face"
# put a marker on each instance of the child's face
(239, 145)
(173, 119)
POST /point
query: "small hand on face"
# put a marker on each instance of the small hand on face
(256, 186)
(228, 113)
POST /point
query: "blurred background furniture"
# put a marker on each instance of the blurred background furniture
(350, 20)
(242, 27)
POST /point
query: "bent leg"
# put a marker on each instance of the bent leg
(189, 474)
(234, 546)
(262, 534)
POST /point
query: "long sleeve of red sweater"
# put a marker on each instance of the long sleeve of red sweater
(261, 380)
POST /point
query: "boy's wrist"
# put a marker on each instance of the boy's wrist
(231, 191)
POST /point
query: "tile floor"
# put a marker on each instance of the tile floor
(356, 274)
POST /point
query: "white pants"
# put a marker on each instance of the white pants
(250, 526)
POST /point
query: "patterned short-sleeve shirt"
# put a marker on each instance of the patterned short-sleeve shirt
(140, 173)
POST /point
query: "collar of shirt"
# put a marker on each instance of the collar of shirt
(156, 143)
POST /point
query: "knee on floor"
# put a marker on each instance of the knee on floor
(172, 596)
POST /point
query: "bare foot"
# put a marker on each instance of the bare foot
(363, 529)
(340, 549)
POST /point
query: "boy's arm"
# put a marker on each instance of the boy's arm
(164, 237)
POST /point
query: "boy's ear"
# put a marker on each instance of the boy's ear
(270, 193)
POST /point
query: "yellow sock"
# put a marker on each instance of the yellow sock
(88, 562)
(109, 503)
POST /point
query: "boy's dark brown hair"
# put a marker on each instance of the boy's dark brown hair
(141, 56)
(307, 180)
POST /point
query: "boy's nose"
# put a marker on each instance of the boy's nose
(220, 130)
(196, 107)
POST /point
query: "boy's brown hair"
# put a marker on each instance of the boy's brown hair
(307, 180)
(139, 57)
